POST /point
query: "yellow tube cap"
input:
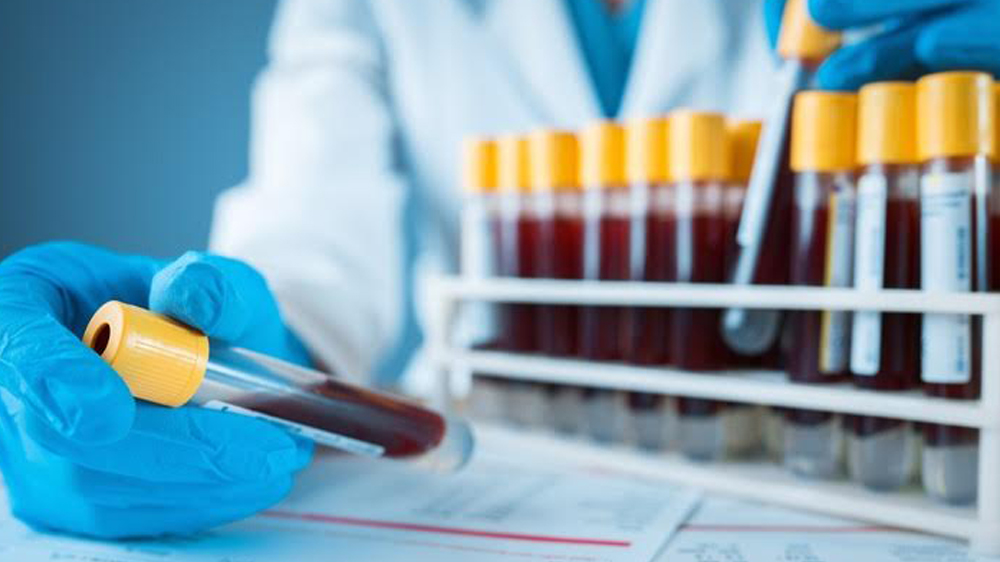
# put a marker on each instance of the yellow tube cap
(603, 158)
(479, 165)
(514, 160)
(887, 123)
(555, 160)
(160, 360)
(996, 117)
(698, 149)
(743, 135)
(824, 131)
(647, 150)
(956, 115)
(801, 38)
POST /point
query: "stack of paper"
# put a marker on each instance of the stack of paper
(359, 509)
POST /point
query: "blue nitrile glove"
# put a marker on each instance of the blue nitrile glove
(78, 453)
(919, 36)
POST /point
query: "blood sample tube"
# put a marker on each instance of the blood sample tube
(955, 142)
(165, 362)
(480, 221)
(479, 259)
(743, 422)
(763, 233)
(520, 256)
(823, 159)
(560, 208)
(649, 251)
(743, 135)
(652, 242)
(555, 157)
(607, 222)
(698, 169)
(885, 352)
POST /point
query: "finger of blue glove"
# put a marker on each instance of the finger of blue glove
(71, 280)
(887, 56)
(226, 299)
(968, 38)
(189, 445)
(60, 381)
(844, 14)
(773, 10)
(66, 510)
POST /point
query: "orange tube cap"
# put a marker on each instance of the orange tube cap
(824, 131)
(956, 115)
(479, 165)
(160, 360)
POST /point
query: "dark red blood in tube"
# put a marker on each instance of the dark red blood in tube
(695, 342)
(605, 334)
(651, 325)
(404, 429)
(519, 321)
(563, 250)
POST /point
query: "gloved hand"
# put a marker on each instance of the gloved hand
(78, 453)
(919, 36)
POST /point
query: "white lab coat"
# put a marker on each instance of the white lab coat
(359, 116)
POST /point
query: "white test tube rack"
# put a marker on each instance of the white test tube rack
(978, 524)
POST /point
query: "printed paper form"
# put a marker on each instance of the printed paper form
(506, 505)
(727, 530)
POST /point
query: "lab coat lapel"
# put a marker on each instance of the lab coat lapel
(677, 39)
(544, 59)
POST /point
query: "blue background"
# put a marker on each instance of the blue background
(120, 120)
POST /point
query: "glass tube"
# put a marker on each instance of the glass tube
(956, 136)
(698, 168)
(520, 237)
(885, 350)
(649, 251)
(952, 343)
(480, 251)
(167, 363)
(885, 353)
(820, 340)
(823, 158)
(559, 197)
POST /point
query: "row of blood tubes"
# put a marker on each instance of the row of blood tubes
(891, 187)
(895, 187)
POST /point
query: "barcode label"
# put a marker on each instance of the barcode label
(945, 265)
(869, 262)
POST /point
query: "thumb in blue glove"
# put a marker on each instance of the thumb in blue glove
(917, 37)
(77, 452)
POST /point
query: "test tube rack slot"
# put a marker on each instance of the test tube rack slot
(909, 509)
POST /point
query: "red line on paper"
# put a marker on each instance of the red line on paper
(400, 526)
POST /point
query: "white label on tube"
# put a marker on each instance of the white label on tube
(332, 440)
(869, 262)
(835, 338)
(945, 265)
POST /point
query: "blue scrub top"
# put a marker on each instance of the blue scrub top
(607, 41)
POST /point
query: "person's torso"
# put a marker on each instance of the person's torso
(484, 67)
